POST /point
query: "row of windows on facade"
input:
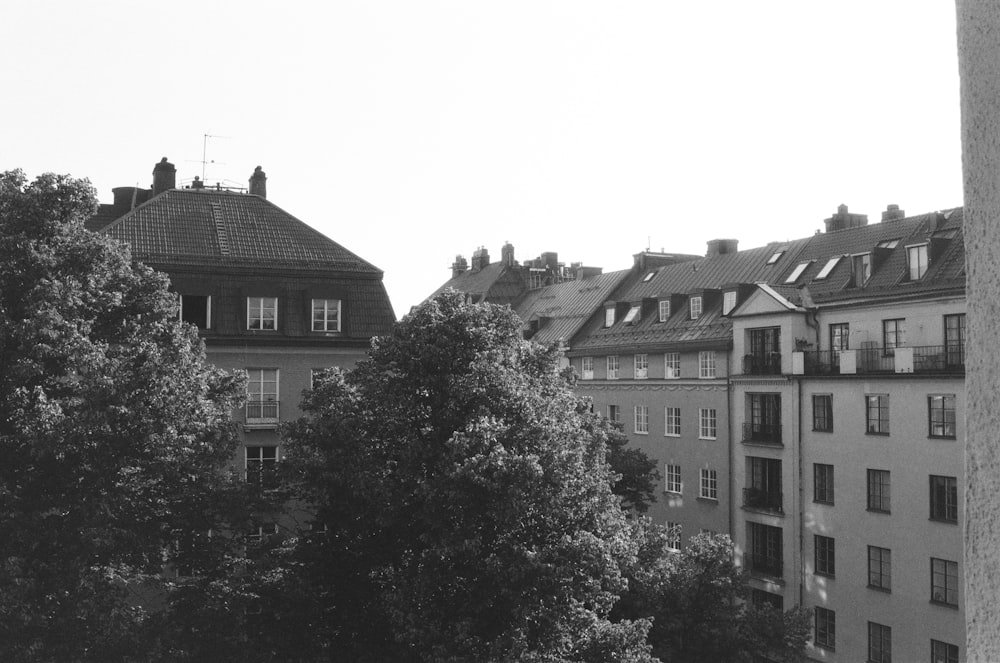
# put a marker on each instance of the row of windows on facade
(708, 421)
(262, 313)
(695, 308)
(917, 262)
(640, 366)
(894, 333)
(879, 640)
(263, 402)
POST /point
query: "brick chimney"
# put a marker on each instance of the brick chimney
(507, 254)
(480, 258)
(892, 213)
(164, 176)
(719, 247)
(459, 266)
(843, 220)
(258, 183)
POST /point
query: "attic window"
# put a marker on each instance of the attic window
(728, 301)
(861, 269)
(797, 272)
(695, 307)
(887, 244)
(648, 277)
(827, 268)
(633, 314)
(609, 316)
(775, 256)
(916, 258)
(664, 309)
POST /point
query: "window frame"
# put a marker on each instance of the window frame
(326, 315)
(706, 365)
(614, 413)
(640, 366)
(879, 643)
(879, 490)
(587, 368)
(938, 428)
(674, 530)
(708, 423)
(827, 268)
(613, 367)
(944, 571)
(264, 476)
(876, 414)
(797, 272)
(258, 305)
(822, 417)
(708, 484)
(893, 335)
(916, 269)
(259, 393)
(823, 486)
(208, 310)
(671, 421)
(674, 484)
(824, 556)
(671, 368)
(695, 311)
(945, 511)
(861, 269)
(728, 301)
(663, 310)
(880, 568)
(950, 653)
(609, 316)
(825, 636)
(641, 419)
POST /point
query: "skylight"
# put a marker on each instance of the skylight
(797, 272)
(827, 268)
(648, 277)
(632, 314)
(774, 257)
(887, 244)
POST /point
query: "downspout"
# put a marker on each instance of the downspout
(801, 482)
(730, 450)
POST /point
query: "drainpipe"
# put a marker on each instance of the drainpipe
(798, 447)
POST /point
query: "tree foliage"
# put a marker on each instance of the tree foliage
(112, 429)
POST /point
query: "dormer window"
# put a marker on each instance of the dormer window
(648, 277)
(664, 309)
(775, 256)
(916, 259)
(797, 272)
(827, 268)
(861, 268)
(887, 244)
(609, 316)
(695, 307)
(633, 316)
(728, 301)
(196, 310)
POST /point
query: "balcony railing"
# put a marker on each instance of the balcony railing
(759, 564)
(767, 500)
(876, 359)
(938, 358)
(261, 413)
(762, 433)
(765, 364)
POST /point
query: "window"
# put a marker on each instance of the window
(672, 365)
(261, 463)
(887, 244)
(826, 628)
(614, 413)
(824, 555)
(954, 340)
(326, 315)
(840, 336)
(648, 277)
(916, 260)
(827, 268)
(706, 364)
(944, 499)
(673, 535)
(761, 598)
(728, 301)
(823, 412)
(942, 652)
(709, 485)
(707, 423)
(262, 396)
(861, 269)
(587, 365)
(797, 272)
(763, 484)
(893, 335)
(633, 316)
(672, 421)
(196, 310)
(764, 425)
(674, 484)
(878, 491)
(774, 257)
(262, 313)
(641, 363)
(879, 568)
(941, 415)
(695, 307)
(609, 316)
(664, 309)
(613, 367)
(823, 483)
(944, 581)
(765, 351)
(764, 554)
(879, 643)
(877, 414)
(641, 419)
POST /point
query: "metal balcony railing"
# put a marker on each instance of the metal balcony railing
(762, 433)
(760, 564)
(765, 364)
(767, 500)
(262, 412)
(876, 359)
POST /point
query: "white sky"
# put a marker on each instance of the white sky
(413, 130)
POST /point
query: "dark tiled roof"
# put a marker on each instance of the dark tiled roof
(184, 226)
(479, 284)
(563, 308)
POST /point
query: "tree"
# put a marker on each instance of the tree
(466, 497)
(699, 604)
(112, 429)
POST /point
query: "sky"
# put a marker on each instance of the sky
(410, 131)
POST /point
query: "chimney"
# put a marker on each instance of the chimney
(843, 220)
(480, 259)
(507, 254)
(892, 213)
(164, 176)
(550, 260)
(459, 266)
(719, 247)
(258, 183)
(197, 183)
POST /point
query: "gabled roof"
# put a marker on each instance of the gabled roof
(205, 226)
(495, 283)
(563, 308)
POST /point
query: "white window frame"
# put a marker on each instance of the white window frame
(674, 484)
(671, 421)
(609, 316)
(262, 406)
(695, 307)
(613, 367)
(671, 365)
(641, 418)
(827, 268)
(633, 316)
(775, 257)
(706, 364)
(266, 309)
(325, 310)
(797, 272)
(673, 536)
(262, 455)
(708, 423)
(663, 308)
(728, 302)
(208, 309)
(614, 412)
(641, 366)
(709, 484)
(917, 267)
(587, 368)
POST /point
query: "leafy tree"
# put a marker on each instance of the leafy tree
(466, 497)
(112, 430)
(698, 602)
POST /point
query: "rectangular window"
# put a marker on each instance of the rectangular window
(695, 307)
(612, 367)
(673, 535)
(840, 334)
(879, 643)
(672, 365)
(942, 652)
(954, 340)
(761, 598)
(878, 491)
(880, 568)
(797, 272)
(825, 565)
(641, 419)
(709, 484)
(764, 425)
(707, 423)
(861, 269)
(763, 484)
(728, 302)
(826, 628)
(941, 415)
(609, 316)
(614, 413)
(706, 364)
(774, 257)
(262, 396)
(633, 315)
(664, 309)
(944, 581)
(827, 268)
(262, 313)
(823, 413)
(765, 351)
(916, 260)
(641, 363)
(765, 554)
(672, 421)
(944, 498)
(196, 310)
(674, 484)
(326, 315)
(893, 335)
(261, 463)
(877, 414)
(587, 364)
(822, 483)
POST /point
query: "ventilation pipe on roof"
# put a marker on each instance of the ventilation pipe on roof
(164, 176)
(258, 183)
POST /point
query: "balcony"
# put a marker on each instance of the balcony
(762, 564)
(765, 500)
(925, 359)
(755, 433)
(762, 364)
(262, 413)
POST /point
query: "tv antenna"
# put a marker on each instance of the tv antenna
(204, 153)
